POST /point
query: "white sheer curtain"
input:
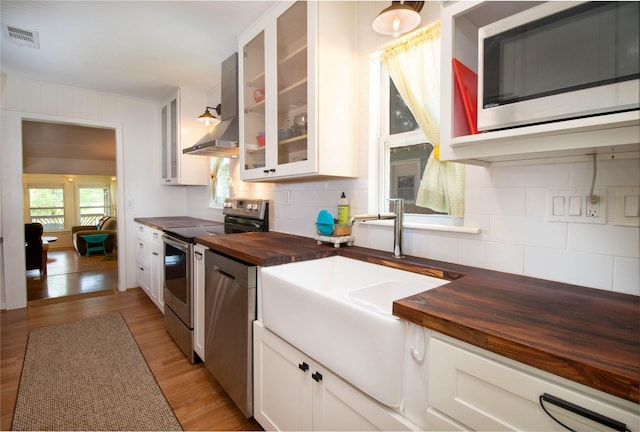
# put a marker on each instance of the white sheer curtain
(414, 66)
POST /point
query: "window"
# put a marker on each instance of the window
(404, 149)
(220, 180)
(46, 206)
(60, 202)
(93, 203)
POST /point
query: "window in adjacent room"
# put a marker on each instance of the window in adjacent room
(93, 203)
(46, 206)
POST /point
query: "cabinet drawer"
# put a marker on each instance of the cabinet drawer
(143, 233)
(142, 252)
(155, 238)
(484, 393)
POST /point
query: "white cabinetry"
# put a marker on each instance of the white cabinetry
(198, 300)
(610, 134)
(150, 263)
(484, 391)
(297, 92)
(293, 392)
(180, 129)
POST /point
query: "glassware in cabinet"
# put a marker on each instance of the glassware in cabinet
(292, 84)
(254, 102)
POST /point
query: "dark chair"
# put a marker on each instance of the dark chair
(33, 247)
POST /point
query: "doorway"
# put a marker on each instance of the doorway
(69, 181)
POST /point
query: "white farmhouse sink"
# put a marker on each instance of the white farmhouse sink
(338, 311)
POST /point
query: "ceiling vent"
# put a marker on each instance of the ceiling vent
(21, 36)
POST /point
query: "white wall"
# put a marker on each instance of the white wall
(140, 192)
(507, 203)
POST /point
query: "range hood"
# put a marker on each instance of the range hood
(222, 140)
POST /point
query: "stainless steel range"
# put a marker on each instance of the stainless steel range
(240, 215)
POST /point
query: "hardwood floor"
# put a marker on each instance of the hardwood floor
(69, 274)
(196, 398)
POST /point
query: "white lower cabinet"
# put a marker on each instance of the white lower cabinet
(198, 299)
(472, 389)
(150, 263)
(293, 392)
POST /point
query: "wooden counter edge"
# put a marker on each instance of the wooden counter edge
(623, 386)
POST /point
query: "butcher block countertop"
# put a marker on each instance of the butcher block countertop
(160, 223)
(586, 335)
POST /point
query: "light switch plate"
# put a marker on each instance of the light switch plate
(627, 200)
(574, 205)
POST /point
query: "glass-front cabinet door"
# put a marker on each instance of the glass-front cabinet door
(292, 104)
(303, 127)
(253, 81)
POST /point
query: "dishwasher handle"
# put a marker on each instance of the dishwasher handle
(224, 273)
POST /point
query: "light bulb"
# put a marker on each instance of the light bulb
(396, 24)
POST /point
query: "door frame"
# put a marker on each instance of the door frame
(15, 282)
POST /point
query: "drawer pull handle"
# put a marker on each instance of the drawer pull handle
(584, 412)
(317, 376)
(303, 366)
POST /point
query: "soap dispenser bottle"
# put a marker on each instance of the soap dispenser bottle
(343, 210)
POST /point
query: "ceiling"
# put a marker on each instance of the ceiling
(142, 49)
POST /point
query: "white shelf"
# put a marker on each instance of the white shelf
(615, 134)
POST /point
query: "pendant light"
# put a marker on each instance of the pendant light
(399, 18)
(209, 118)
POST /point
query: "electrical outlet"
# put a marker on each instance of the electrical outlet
(593, 206)
(576, 205)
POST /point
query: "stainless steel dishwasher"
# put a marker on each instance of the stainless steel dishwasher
(230, 309)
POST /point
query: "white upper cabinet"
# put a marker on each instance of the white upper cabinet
(297, 92)
(617, 133)
(180, 129)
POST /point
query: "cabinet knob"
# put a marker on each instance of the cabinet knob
(272, 170)
(303, 366)
(266, 171)
(317, 376)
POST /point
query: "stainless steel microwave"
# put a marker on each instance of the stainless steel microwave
(557, 61)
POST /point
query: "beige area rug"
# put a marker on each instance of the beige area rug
(89, 375)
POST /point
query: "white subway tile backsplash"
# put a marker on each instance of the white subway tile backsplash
(483, 222)
(505, 201)
(477, 176)
(536, 202)
(530, 176)
(591, 270)
(493, 256)
(616, 172)
(528, 231)
(626, 275)
(430, 244)
(604, 239)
